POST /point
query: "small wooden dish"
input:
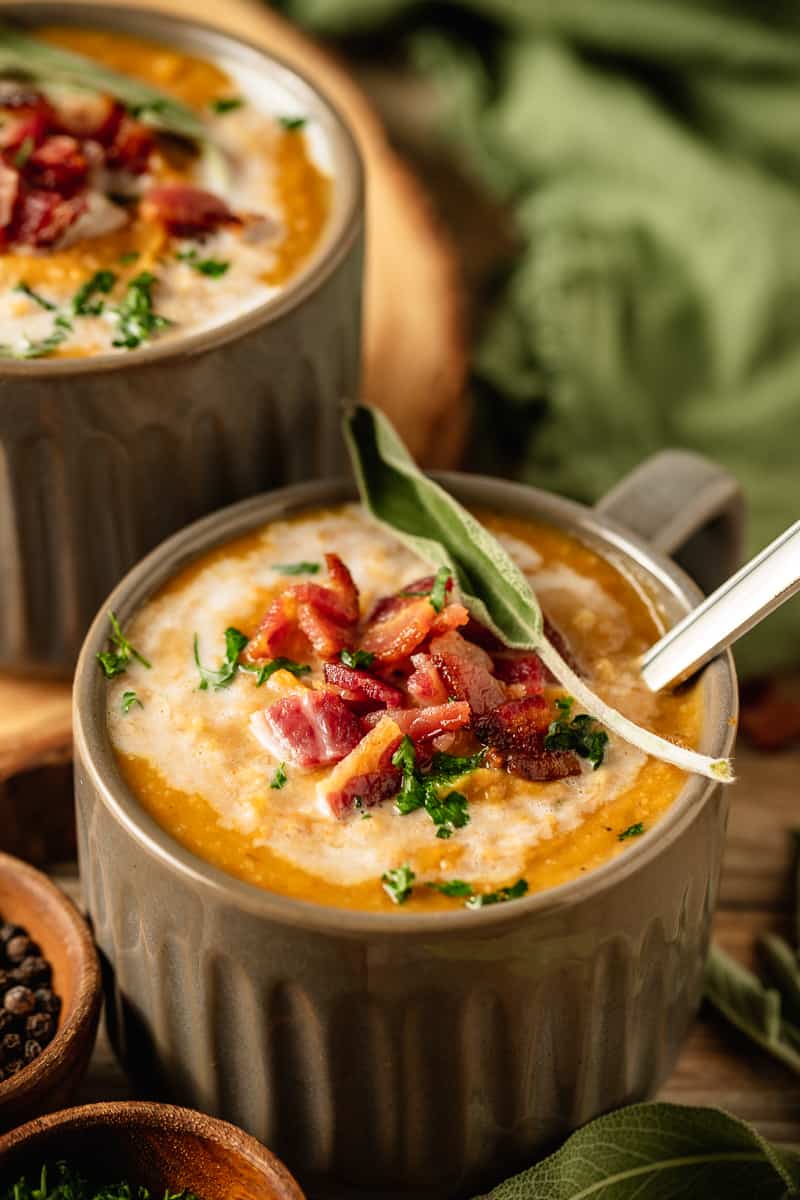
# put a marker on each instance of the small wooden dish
(28, 898)
(155, 1145)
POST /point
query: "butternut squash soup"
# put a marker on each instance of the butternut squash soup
(310, 710)
(144, 193)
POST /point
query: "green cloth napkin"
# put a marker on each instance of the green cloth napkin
(651, 152)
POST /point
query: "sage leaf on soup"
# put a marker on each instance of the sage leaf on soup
(53, 66)
(431, 523)
(753, 1009)
(660, 1152)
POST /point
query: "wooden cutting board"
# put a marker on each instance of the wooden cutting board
(414, 345)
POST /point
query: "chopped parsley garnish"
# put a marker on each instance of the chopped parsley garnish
(421, 789)
(358, 660)
(213, 267)
(117, 660)
(84, 303)
(292, 124)
(280, 778)
(28, 291)
(136, 320)
(582, 735)
(439, 589)
(437, 592)
(297, 568)
(398, 882)
(131, 256)
(453, 887)
(62, 1182)
(128, 701)
(226, 104)
(263, 672)
(631, 831)
(515, 892)
(26, 149)
(235, 642)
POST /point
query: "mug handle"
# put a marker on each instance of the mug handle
(685, 506)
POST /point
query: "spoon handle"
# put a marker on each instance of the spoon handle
(740, 603)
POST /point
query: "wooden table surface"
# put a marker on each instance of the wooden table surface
(717, 1065)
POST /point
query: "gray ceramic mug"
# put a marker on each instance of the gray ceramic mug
(102, 458)
(408, 1055)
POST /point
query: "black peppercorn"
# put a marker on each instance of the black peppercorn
(19, 947)
(10, 1047)
(13, 1068)
(32, 1050)
(8, 931)
(8, 1022)
(32, 971)
(40, 1026)
(20, 1001)
(47, 1001)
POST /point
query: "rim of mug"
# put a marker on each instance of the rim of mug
(348, 179)
(661, 576)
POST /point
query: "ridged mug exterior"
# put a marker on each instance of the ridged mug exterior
(399, 1055)
(102, 458)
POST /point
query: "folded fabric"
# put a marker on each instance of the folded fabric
(651, 152)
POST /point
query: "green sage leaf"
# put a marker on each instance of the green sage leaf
(431, 523)
(753, 1009)
(660, 1152)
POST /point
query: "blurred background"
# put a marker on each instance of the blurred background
(622, 184)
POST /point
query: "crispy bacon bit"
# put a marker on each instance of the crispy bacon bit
(514, 725)
(58, 165)
(90, 115)
(360, 685)
(467, 672)
(9, 190)
(325, 614)
(273, 632)
(452, 616)
(310, 729)
(425, 683)
(398, 629)
(543, 765)
(184, 210)
(26, 122)
(41, 218)
(130, 150)
(366, 776)
(420, 723)
(523, 673)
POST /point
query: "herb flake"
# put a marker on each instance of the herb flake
(581, 735)
(280, 778)
(398, 883)
(263, 672)
(136, 318)
(116, 661)
(235, 642)
(453, 887)
(631, 832)
(292, 124)
(357, 660)
(212, 267)
(226, 104)
(128, 700)
(26, 290)
(84, 303)
(422, 789)
(297, 568)
(515, 892)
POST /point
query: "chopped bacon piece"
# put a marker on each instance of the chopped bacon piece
(185, 210)
(481, 636)
(425, 683)
(360, 685)
(366, 776)
(9, 190)
(523, 672)
(91, 115)
(24, 121)
(130, 150)
(58, 165)
(452, 616)
(310, 729)
(325, 614)
(543, 765)
(420, 723)
(514, 725)
(398, 629)
(41, 218)
(467, 672)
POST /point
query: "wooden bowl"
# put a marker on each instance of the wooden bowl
(28, 898)
(155, 1145)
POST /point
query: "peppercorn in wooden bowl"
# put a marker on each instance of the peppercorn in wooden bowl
(50, 1011)
(152, 1146)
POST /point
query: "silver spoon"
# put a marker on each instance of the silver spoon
(763, 584)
